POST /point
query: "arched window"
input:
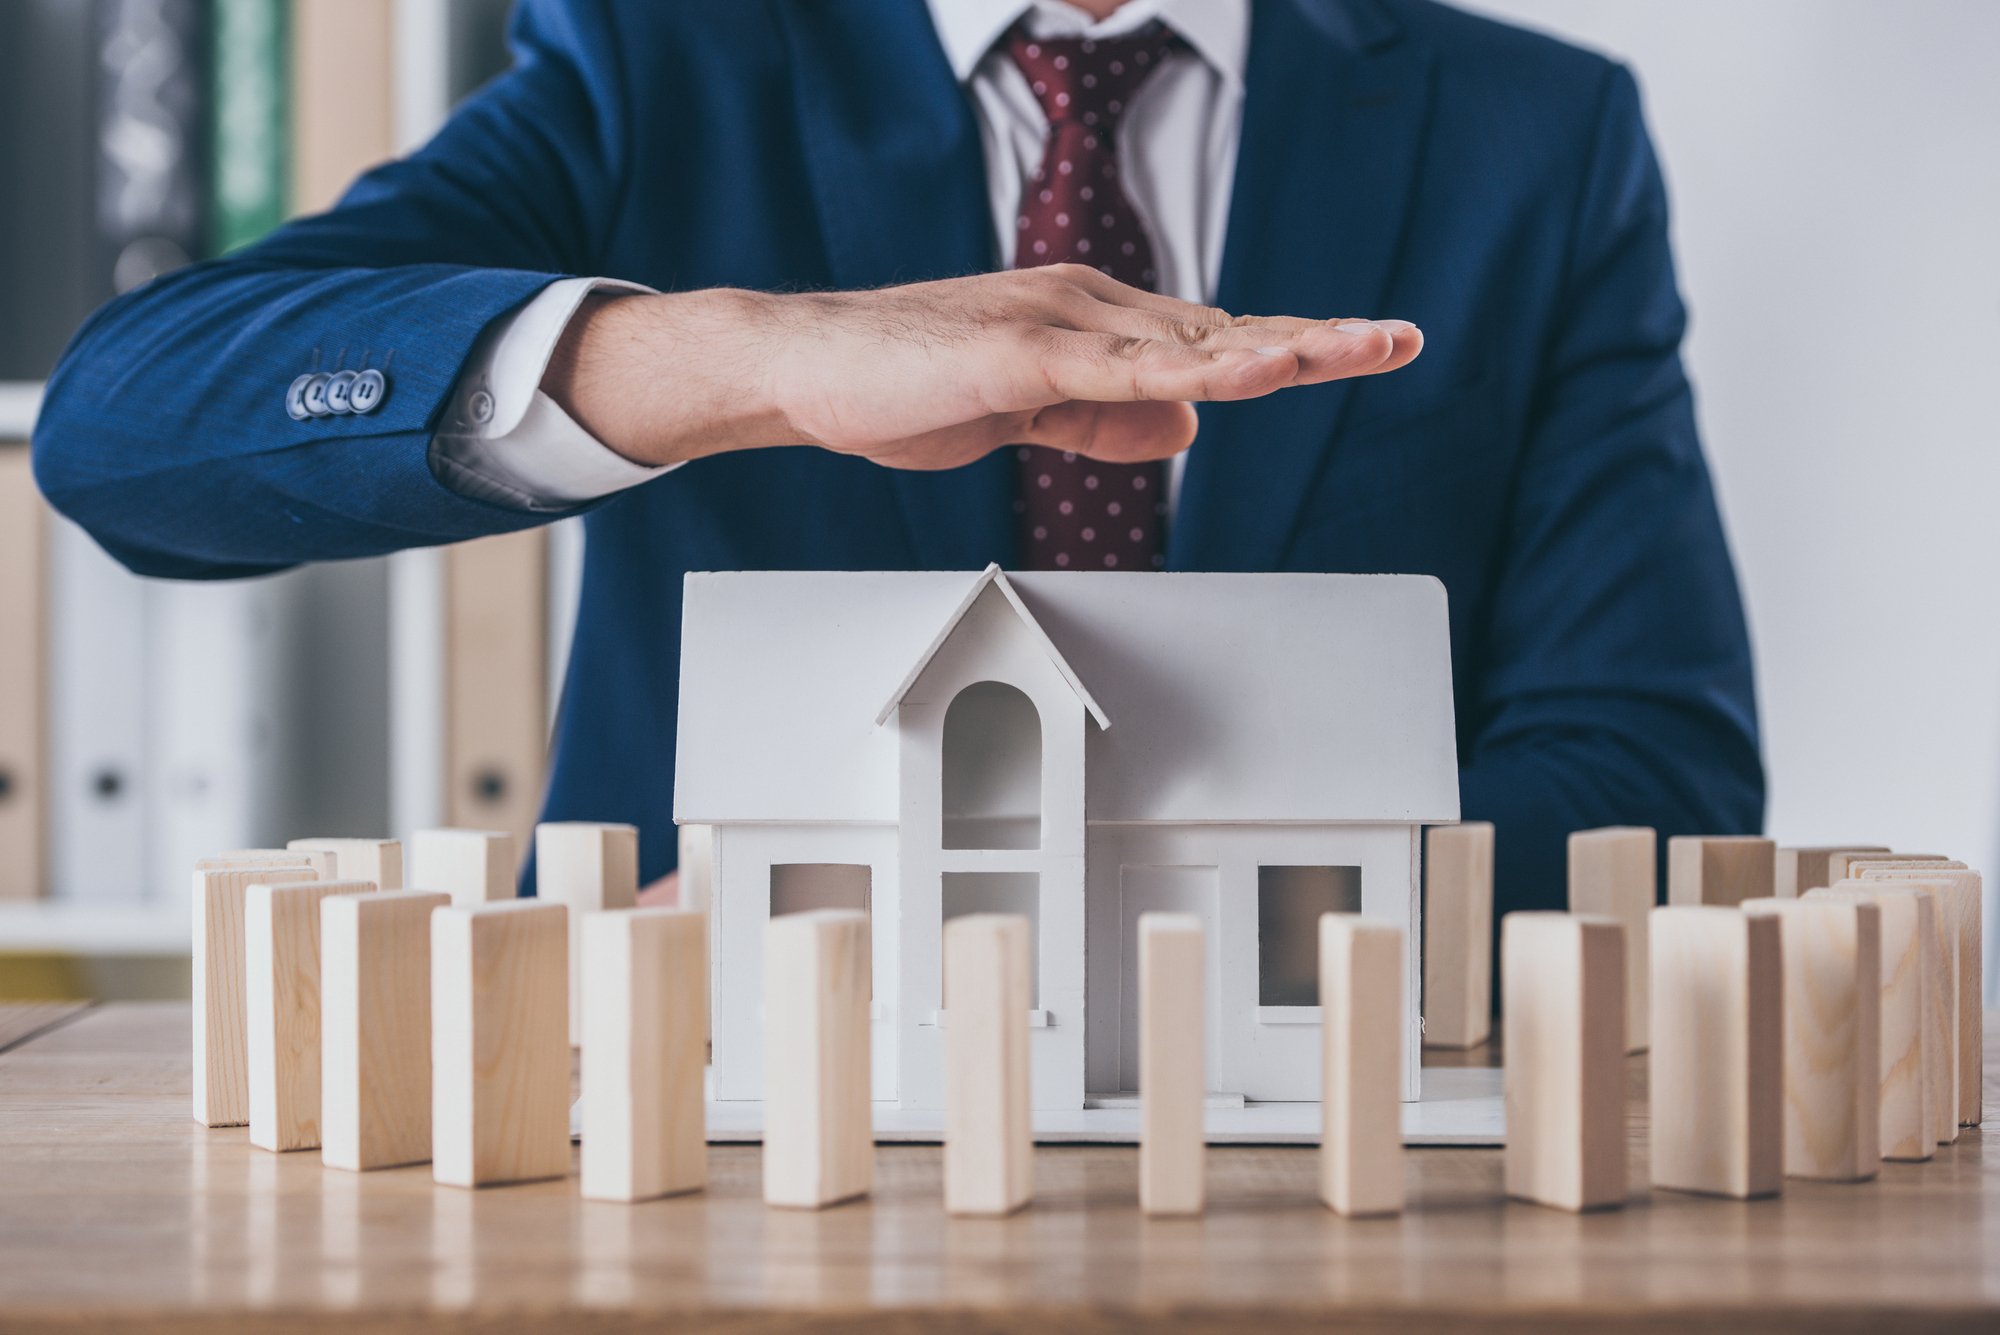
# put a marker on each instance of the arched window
(992, 769)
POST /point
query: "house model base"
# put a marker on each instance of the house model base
(1079, 748)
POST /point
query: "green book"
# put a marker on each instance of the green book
(250, 115)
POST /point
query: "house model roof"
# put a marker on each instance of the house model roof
(1237, 697)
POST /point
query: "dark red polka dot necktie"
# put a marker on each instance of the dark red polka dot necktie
(1074, 513)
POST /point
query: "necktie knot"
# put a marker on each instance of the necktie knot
(1086, 80)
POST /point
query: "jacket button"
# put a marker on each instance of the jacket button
(314, 396)
(365, 395)
(295, 399)
(337, 390)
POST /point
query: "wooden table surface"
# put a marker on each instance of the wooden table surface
(115, 1209)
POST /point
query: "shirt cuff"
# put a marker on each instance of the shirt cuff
(504, 441)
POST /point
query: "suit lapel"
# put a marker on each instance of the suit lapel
(1335, 105)
(898, 181)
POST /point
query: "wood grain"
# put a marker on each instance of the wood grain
(1720, 869)
(281, 952)
(819, 1147)
(1717, 1076)
(375, 1029)
(1564, 1040)
(499, 1042)
(118, 1214)
(1458, 935)
(989, 1149)
(1832, 953)
(645, 1038)
(588, 867)
(1966, 925)
(1172, 1063)
(1361, 966)
(1614, 873)
(221, 1084)
(1910, 1054)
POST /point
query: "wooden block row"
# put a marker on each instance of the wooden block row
(281, 950)
(1960, 892)
(1911, 1056)
(1563, 1009)
(1716, 1076)
(1458, 935)
(588, 867)
(1614, 873)
(1803, 869)
(1832, 972)
(472, 866)
(221, 1078)
(1720, 869)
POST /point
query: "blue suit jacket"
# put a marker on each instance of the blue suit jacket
(1398, 159)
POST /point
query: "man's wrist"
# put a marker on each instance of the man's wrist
(665, 378)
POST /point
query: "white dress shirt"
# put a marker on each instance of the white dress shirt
(507, 442)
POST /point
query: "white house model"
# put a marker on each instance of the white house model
(1080, 748)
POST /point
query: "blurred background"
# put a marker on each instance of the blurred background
(1834, 168)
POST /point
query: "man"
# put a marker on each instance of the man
(763, 172)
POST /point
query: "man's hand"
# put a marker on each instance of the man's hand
(934, 375)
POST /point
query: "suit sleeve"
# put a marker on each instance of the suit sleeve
(1618, 681)
(164, 431)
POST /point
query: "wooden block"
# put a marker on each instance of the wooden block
(1614, 873)
(221, 1034)
(1173, 1080)
(499, 1042)
(696, 866)
(1716, 1078)
(281, 941)
(1833, 980)
(1361, 1064)
(1458, 935)
(1720, 869)
(377, 860)
(819, 1139)
(588, 867)
(988, 1143)
(1563, 1041)
(1963, 891)
(472, 866)
(645, 1032)
(375, 1028)
(323, 864)
(1803, 869)
(1910, 1053)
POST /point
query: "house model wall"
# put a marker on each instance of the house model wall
(1080, 748)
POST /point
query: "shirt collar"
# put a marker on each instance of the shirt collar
(1218, 30)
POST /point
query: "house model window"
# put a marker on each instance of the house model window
(1079, 748)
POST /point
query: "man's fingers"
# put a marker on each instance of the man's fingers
(1116, 368)
(1118, 432)
(1325, 349)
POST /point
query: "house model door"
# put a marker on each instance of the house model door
(1148, 889)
